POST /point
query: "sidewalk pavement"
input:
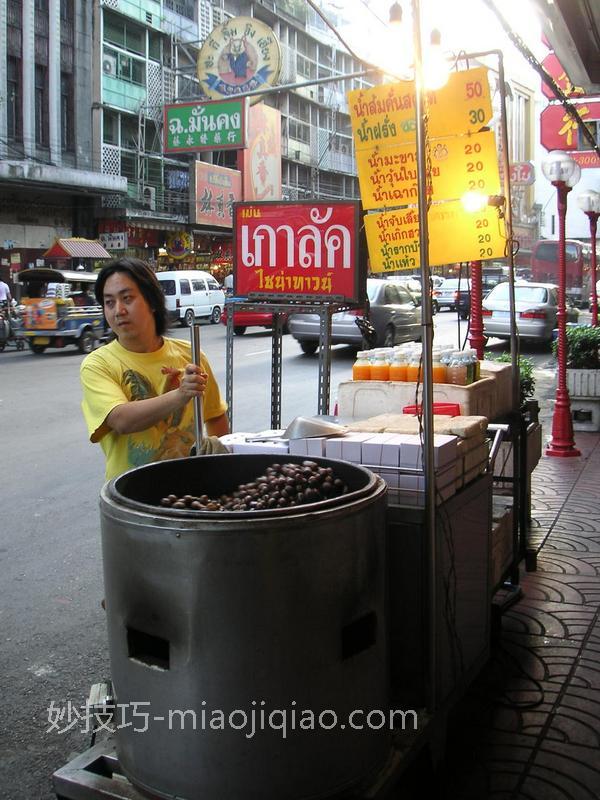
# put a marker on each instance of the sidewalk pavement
(529, 727)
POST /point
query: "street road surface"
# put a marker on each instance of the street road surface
(53, 638)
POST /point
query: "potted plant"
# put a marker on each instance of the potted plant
(583, 361)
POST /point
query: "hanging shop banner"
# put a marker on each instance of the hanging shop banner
(385, 114)
(241, 55)
(454, 235)
(260, 162)
(213, 125)
(458, 164)
(307, 249)
(214, 191)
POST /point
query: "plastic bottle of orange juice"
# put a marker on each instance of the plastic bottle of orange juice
(413, 370)
(380, 369)
(398, 367)
(439, 369)
(361, 369)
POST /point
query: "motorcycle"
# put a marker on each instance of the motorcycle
(11, 327)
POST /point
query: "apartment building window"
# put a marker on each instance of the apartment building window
(299, 131)
(184, 8)
(123, 34)
(67, 112)
(127, 68)
(305, 67)
(13, 91)
(110, 127)
(41, 105)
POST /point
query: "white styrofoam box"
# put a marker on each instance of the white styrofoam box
(315, 446)
(298, 447)
(585, 413)
(352, 446)
(363, 399)
(236, 443)
(372, 448)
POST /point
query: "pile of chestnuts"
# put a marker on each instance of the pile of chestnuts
(281, 486)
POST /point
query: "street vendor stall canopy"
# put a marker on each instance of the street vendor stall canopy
(77, 248)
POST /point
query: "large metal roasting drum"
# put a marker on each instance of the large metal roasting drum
(269, 611)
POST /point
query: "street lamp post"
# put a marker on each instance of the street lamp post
(563, 173)
(589, 203)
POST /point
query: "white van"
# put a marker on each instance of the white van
(190, 294)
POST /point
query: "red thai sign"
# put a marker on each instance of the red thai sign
(555, 69)
(305, 249)
(559, 131)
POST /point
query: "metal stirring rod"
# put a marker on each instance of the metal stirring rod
(198, 421)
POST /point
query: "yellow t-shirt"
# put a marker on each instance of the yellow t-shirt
(113, 375)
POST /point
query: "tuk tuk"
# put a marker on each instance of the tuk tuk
(59, 308)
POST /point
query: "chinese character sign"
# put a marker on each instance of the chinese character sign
(216, 189)
(215, 125)
(308, 249)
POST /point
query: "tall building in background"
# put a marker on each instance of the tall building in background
(49, 178)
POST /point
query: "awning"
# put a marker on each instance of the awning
(77, 248)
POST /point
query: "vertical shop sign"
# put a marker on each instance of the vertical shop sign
(307, 249)
(260, 162)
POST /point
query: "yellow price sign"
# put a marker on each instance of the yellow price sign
(454, 235)
(458, 164)
(386, 114)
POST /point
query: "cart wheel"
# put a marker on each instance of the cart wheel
(87, 342)
(38, 349)
(20, 344)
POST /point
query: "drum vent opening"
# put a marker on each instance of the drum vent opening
(359, 635)
(150, 650)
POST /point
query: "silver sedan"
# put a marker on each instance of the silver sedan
(536, 306)
(394, 313)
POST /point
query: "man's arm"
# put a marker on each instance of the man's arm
(218, 426)
(138, 415)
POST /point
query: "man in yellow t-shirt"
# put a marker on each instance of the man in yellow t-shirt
(137, 389)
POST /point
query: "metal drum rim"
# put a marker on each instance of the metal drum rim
(110, 494)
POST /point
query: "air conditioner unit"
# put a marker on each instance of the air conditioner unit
(109, 65)
(149, 197)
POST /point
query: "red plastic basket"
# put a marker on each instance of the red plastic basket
(450, 409)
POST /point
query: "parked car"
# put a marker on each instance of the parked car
(249, 319)
(190, 294)
(536, 306)
(393, 313)
(413, 284)
(455, 294)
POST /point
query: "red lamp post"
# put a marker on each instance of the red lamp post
(476, 338)
(563, 172)
(589, 203)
